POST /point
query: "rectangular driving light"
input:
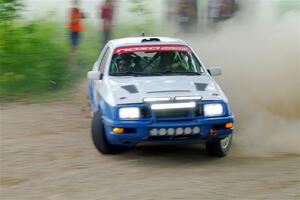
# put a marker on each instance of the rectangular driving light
(173, 106)
(188, 98)
(129, 113)
(213, 109)
(157, 99)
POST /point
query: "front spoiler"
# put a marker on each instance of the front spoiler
(142, 129)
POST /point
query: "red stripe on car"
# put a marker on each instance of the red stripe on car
(151, 48)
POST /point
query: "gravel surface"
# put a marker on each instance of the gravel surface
(47, 153)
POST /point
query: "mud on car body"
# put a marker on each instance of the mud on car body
(156, 90)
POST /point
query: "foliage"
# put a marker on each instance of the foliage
(144, 22)
(9, 10)
(287, 6)
(139, 7)
(34, 56)
(32, 60)
(149, 27)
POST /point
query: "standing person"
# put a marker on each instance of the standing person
(214, 11)
(75, 25)
(187, 14)
(225, 9)
(107, 11)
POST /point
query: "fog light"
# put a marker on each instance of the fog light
(171, 131)
(162, 131)
(196, 130)
(229, 125)
(187, 131)
(154, 132)
(118, 130)
(179, 131)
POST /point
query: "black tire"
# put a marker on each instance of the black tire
(217, 148)
(99, 137)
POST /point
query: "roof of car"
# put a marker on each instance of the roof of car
(145, 41)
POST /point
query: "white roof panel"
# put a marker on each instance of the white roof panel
(138, 41)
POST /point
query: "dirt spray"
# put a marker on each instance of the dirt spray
(261, 62)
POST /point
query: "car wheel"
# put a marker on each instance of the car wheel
(220, 147)
(99, 137)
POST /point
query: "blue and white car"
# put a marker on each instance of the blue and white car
(145, 90)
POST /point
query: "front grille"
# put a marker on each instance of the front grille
(200, 110)
(172, 113)
(146, 112)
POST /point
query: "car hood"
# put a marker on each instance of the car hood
(127, 90)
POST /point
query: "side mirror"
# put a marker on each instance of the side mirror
(215, 71)
(94, 75)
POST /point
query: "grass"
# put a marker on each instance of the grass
(35, 60)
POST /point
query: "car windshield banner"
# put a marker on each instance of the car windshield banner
(152, 48)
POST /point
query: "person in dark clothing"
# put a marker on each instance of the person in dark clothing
(187, 12)
(107, 11)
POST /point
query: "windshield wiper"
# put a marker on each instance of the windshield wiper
(135, 74)
(154, 73)
(183, 73)
(151, 74)
(124, 74)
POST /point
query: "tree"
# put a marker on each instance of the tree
(9, 10)
(139, 7)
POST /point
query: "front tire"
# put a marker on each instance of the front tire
(99, 138)
(219, 147)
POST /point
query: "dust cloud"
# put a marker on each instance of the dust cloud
(261, 64)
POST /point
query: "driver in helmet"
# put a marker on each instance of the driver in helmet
(168, 62)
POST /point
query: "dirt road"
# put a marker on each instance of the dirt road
(46, 153)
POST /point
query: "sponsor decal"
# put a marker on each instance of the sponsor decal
(151, 48)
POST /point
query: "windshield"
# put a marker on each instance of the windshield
(154, 60)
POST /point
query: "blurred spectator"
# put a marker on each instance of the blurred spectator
(107, 12)
(227, 9)
(219, 10)
(213, 10)
(187, 14)
(75, 25)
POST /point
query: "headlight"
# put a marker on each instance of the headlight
(130, 113)
(213, 109)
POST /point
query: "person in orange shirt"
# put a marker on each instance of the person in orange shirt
(75, 24)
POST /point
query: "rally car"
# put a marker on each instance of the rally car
(156, 90)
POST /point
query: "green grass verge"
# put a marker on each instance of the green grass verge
(35, 63)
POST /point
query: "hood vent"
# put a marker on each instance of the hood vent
(201, 86)
(130, 88)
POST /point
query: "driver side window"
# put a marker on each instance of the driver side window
(104, 60)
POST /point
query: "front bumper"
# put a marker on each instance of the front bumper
(141, 131)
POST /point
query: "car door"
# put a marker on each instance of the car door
(94, 84)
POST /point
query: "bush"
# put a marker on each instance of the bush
(32, 60)
(287, 6)
(34, 56)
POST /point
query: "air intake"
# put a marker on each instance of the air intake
(200, 86)
(130, 88)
